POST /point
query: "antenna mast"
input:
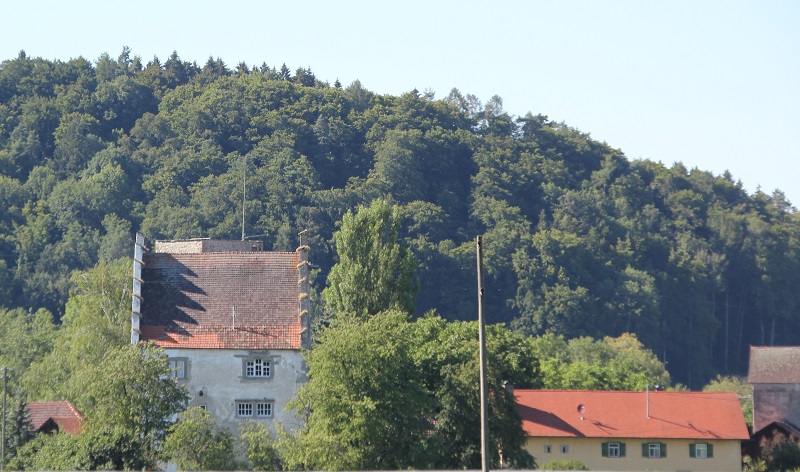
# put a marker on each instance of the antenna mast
(244, 192)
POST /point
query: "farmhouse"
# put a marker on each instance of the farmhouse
(622, 430)
(232, 320)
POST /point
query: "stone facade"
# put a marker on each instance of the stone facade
(217, 381)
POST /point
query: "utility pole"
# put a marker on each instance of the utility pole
(482, 342)
(3, 437)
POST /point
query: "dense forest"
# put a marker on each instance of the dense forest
(578, 239)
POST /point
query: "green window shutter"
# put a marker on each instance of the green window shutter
(663, 450)
(605, 449)
(622, 449)
(645, 449)
(692, 450)
(710, 450)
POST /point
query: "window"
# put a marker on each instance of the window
(564, 449)
(613, 449)
(244, 409)
(654, 450)
(264, 409)
(257, 368)
(177, 368)
(548, 449)
(701, 450)
(257, 408)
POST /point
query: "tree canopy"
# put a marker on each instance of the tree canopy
(579, 240)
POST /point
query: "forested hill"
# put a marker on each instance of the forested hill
(579, 240)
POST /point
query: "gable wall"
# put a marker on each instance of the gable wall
(775, 402)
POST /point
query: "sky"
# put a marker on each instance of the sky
(712, 84)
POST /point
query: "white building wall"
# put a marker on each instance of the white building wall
(215, 379)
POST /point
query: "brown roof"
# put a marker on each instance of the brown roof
(774, 364)
(622, 414)
(62, 413)
(237, 300)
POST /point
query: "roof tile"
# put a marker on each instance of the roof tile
(774, 364)
(623, 414)
(237, 300)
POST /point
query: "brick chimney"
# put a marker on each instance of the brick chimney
(304, 284)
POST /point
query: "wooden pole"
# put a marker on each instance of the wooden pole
(3, 438)
(482, 342)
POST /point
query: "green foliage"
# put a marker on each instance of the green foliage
(261, 450)
(195, 442)
(17, 424)
(131, 391)
(578, 240)
(128, 402)
(621, 363)
(364, 406)
(375, 271)
(564, 465)
(447, 357)
(97, 319)
(783, 455)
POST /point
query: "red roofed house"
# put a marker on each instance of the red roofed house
(49, 417)
(775, 374)
(620, 430)
(232, 320)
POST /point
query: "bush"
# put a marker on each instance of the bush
(784, 456)
(565, 465)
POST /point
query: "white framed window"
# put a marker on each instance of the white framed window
(244, 409)
(257, 368)
(257, 408)
(177, 368)
(564, 449)
(613, 450)
(654, 450)
(548, 449)
(701, 450)
(264, 409)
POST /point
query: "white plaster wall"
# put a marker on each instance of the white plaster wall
(219, 375)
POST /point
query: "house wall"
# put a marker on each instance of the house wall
(219, 375)
(727, 454)
(775, 402)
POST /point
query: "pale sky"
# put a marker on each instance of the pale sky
(713, 84)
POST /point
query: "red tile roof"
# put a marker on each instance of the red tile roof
(63, 414)
(241, 300)
(618, 414)
(774, 364)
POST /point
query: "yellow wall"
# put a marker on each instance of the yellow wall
(727, 454)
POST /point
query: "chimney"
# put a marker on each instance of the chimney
(304, 285)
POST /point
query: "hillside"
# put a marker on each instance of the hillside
(579, 240)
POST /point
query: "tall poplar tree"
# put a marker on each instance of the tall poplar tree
(375, 271)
